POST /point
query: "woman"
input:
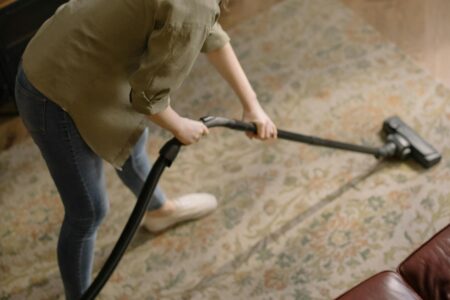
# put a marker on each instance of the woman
(90, 79)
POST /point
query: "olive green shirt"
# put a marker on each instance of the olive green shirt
(108, 63)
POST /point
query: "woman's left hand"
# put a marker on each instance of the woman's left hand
(266, 129)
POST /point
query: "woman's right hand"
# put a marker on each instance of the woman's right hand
(188, 131)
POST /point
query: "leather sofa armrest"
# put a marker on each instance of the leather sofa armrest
(386, 285)
(427, 269)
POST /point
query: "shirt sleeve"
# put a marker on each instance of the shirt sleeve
(216, 39)
(170, 53)
(151, 83)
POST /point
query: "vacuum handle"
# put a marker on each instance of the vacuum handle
(243, 126)
(211, 121)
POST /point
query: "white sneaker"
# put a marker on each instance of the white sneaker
(187, 207)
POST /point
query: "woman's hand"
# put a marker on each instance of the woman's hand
(188, 131)
(266, 129)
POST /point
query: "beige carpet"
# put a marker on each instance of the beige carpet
(294, 221)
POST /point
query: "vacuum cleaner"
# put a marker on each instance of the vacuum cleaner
(402, 143)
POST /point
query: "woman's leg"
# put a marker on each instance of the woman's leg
(135, 171)
(162, 213)
(78, 175)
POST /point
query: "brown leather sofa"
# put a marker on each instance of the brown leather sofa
(425, 274)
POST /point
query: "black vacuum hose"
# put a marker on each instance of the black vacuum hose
(168, 154)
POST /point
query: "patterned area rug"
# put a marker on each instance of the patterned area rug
(294, 221)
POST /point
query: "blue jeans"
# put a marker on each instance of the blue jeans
(78, 174)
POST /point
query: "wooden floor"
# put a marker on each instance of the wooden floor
(421, 28)
(4, 3)
(241, 10)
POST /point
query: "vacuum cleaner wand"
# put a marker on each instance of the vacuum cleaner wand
(402, 142)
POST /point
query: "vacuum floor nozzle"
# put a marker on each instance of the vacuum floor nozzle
(409, 144)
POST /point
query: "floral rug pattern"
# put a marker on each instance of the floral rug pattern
(294, 221)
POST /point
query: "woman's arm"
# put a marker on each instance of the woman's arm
(226, 63)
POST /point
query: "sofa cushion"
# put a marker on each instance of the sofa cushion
(386, 285)
(427, 269)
